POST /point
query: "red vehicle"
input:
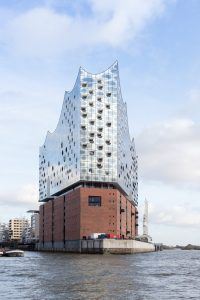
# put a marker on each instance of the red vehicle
(112, 236)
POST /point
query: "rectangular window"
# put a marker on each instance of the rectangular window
(94, 201)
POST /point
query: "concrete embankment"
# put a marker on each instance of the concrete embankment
(115, 246)
(100, 246)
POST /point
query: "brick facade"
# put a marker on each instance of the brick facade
(69, 217)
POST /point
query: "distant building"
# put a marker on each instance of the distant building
(35, 225)
(26, 236)
(16, 228)
(34, 228)
(88, 165)
(4, 232)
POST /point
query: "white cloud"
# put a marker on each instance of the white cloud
(177, 215)
(43, 32)
(169, 169)
(123, 20)
(192, 106)
(174, 213)
(18, 201)
(169, 152)
(38, 32)
(26, 195)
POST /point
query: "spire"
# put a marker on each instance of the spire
(145, 218)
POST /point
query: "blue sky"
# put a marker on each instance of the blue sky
(157, 44)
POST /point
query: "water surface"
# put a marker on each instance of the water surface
(163, 275)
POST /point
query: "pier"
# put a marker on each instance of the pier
(99, 246)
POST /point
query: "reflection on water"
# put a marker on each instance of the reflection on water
(162, 275)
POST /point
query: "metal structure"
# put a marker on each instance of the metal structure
(91, 142)
(145, 219)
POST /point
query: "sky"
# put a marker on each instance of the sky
(157, 44)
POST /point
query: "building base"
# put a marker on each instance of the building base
(84, 212)
(99, 246)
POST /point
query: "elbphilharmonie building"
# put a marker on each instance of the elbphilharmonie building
(90, 151)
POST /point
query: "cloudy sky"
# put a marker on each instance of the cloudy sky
(157, 44)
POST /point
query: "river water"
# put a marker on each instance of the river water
(162, 275)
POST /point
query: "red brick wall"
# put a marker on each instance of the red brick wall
(48, 221)
(122, 208)
(70, 217)
(136, 221)
(41, 224)
(58, 220)
(126, 219)
(98, 219)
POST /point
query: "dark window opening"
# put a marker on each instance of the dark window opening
(94, 201)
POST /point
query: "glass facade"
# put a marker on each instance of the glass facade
(91, 141)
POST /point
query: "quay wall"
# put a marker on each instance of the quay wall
(99, 246)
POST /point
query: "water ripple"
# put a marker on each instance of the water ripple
(163, 275)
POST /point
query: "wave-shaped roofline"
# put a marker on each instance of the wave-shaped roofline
(49, 133)
(111, 66)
